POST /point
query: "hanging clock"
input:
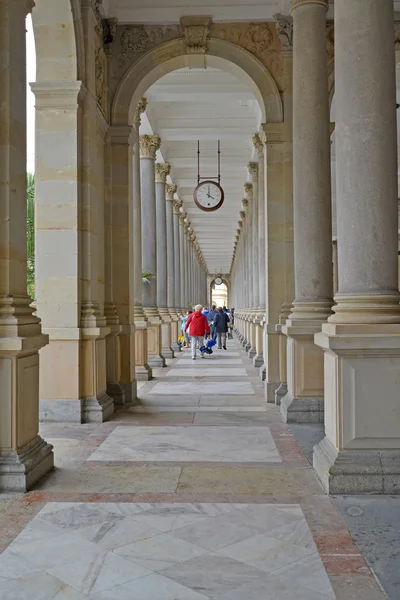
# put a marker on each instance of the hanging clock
(218, 281)
(209, 195)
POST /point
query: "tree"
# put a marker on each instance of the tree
(30, 233)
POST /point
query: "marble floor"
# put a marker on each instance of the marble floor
(199, 492)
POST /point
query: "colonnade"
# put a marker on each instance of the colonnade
(334, 360)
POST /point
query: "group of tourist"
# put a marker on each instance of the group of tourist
(201, 323)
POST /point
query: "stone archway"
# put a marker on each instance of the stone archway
(172, 55)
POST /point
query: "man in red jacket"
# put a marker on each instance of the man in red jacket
(197, 327)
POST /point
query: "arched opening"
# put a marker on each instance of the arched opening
(219, 295)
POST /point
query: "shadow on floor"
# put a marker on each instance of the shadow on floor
(373, 521)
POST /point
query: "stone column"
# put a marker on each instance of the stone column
(170, 190)
(182, 218)
(361, 341)
(162, 171)
(113, 353)
(149, 145)
(259, 184)
(122, 142)
(285, 32)
(312, 214)
(142, 368)
(252, 223)
(24, 456)
(177, 204)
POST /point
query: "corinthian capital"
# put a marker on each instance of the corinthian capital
(140, 109)
(253, 170)
(257, 143)
(149, 144)
(177, 206)
(296, 3)
(284, 28)
(162, 170)
(248, 188)
(170, 190)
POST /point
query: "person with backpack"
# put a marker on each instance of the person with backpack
(211, 318)
(197, 326)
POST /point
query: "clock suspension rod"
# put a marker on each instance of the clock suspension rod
(198, 162)
(198, 165)
(219, 163)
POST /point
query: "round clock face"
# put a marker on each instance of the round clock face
(208, 195)
(218, 281)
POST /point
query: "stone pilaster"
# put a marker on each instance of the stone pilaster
(312, 214)
(149, 144)
(170, 190)
(177, 256)
(142, 368)
(361, 341)
(24, 456)
(122, 143)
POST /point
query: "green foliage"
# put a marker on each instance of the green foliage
(146, 276)
(30, 233)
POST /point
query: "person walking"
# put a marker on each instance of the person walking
(198, 327)
(211, 318)
(221, 322)
(183, 327)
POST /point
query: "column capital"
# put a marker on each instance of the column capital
(284, 28)
(296, 3)
(253, 170)
(149, 144)
(248, 188)
(140, 109)
(177, 206)
(257, 143)
(170, 190)
(162, 170)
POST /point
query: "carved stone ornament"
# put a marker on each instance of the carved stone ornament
(109, 31)
(253, 170)
(134, 40)
(177, 206)
(330, 40)
(149, 144)
(296, 3)
(140, 109)
(248, 188)
(284, 28)
(170, 190)
(397, 34)
(162, 170)
(257, 142)
(196, 31)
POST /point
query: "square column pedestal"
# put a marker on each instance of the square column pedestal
(304, 402)
(360, 453)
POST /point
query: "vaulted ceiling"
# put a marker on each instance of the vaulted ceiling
(207, 105)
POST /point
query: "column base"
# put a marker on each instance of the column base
(251, 353)
(143, 373)
(357, 471)
(20, 470)
(97, 410)
(130, 392)
(263, 372)
(302, 410)
(258, 360)
(155, 361)
(247, 346)
(269, 391)
(280, 392)
(62, 411)
(117, 393)
(167, 352)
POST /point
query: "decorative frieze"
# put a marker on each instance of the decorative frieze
(135, 40)
(162, 171)
(149, 144)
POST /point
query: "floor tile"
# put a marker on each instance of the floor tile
(208, 372)
(182, 444)
(204, 388)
